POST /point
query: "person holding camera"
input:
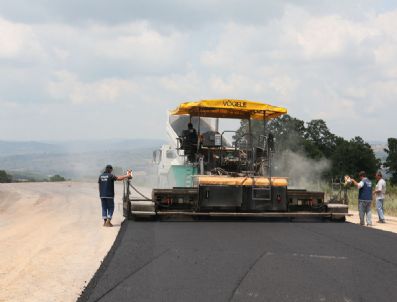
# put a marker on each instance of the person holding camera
(364, 198)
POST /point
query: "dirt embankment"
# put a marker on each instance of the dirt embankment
(390, 225)
(52, 239)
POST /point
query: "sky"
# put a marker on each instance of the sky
(111, 69)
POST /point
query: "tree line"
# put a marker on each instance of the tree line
(7, 178)
(315, 141)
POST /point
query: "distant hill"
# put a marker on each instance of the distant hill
(379, 150)
(85, 159)
(76, 165)
(78, 146)
(18, 148)
(76, 159)
(110, 145)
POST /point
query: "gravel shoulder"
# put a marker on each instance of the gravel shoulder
(389, 226)
(52, 239)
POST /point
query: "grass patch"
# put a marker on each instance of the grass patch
(390, 203)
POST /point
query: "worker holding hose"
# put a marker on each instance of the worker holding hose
(106, 193)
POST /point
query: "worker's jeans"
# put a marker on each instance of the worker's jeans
(379, 208)
(107, 208)
(364, 208)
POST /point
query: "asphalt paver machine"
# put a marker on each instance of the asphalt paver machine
(208, 176)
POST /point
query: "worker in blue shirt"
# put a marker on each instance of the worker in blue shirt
(364, 198)
(106, 193)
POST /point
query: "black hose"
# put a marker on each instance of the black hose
(136, 190)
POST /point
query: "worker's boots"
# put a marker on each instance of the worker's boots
(108, 223)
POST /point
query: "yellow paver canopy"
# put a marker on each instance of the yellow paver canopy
(230, 108)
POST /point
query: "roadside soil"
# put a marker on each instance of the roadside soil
(390, 225)
(52, 239)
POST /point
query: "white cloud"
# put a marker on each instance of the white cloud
(4, 104)
(243, 86)
(138, 43)
(332, 65)
(340, 109)
(321, 66)
(386, 49)
(183, 84)
(68, 86)
(61, 54)
(325, 36)
(240, 46)
(18, 40)
(284, 85)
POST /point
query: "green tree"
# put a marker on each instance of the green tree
(4, 177)
(350, 157)
(56, 178)
(316, 141)
(391, 160)
(288, 132)
(318, 134)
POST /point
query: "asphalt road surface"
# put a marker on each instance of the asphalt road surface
(247, 261)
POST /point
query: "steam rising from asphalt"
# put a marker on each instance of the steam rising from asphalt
(302, 172)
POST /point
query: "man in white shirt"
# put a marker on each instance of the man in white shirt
(379, 193)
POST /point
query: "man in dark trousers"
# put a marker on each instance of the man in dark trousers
(190, 142)
(364, 198)
(106, 193)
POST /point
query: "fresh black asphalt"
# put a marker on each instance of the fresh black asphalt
(247, 261)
